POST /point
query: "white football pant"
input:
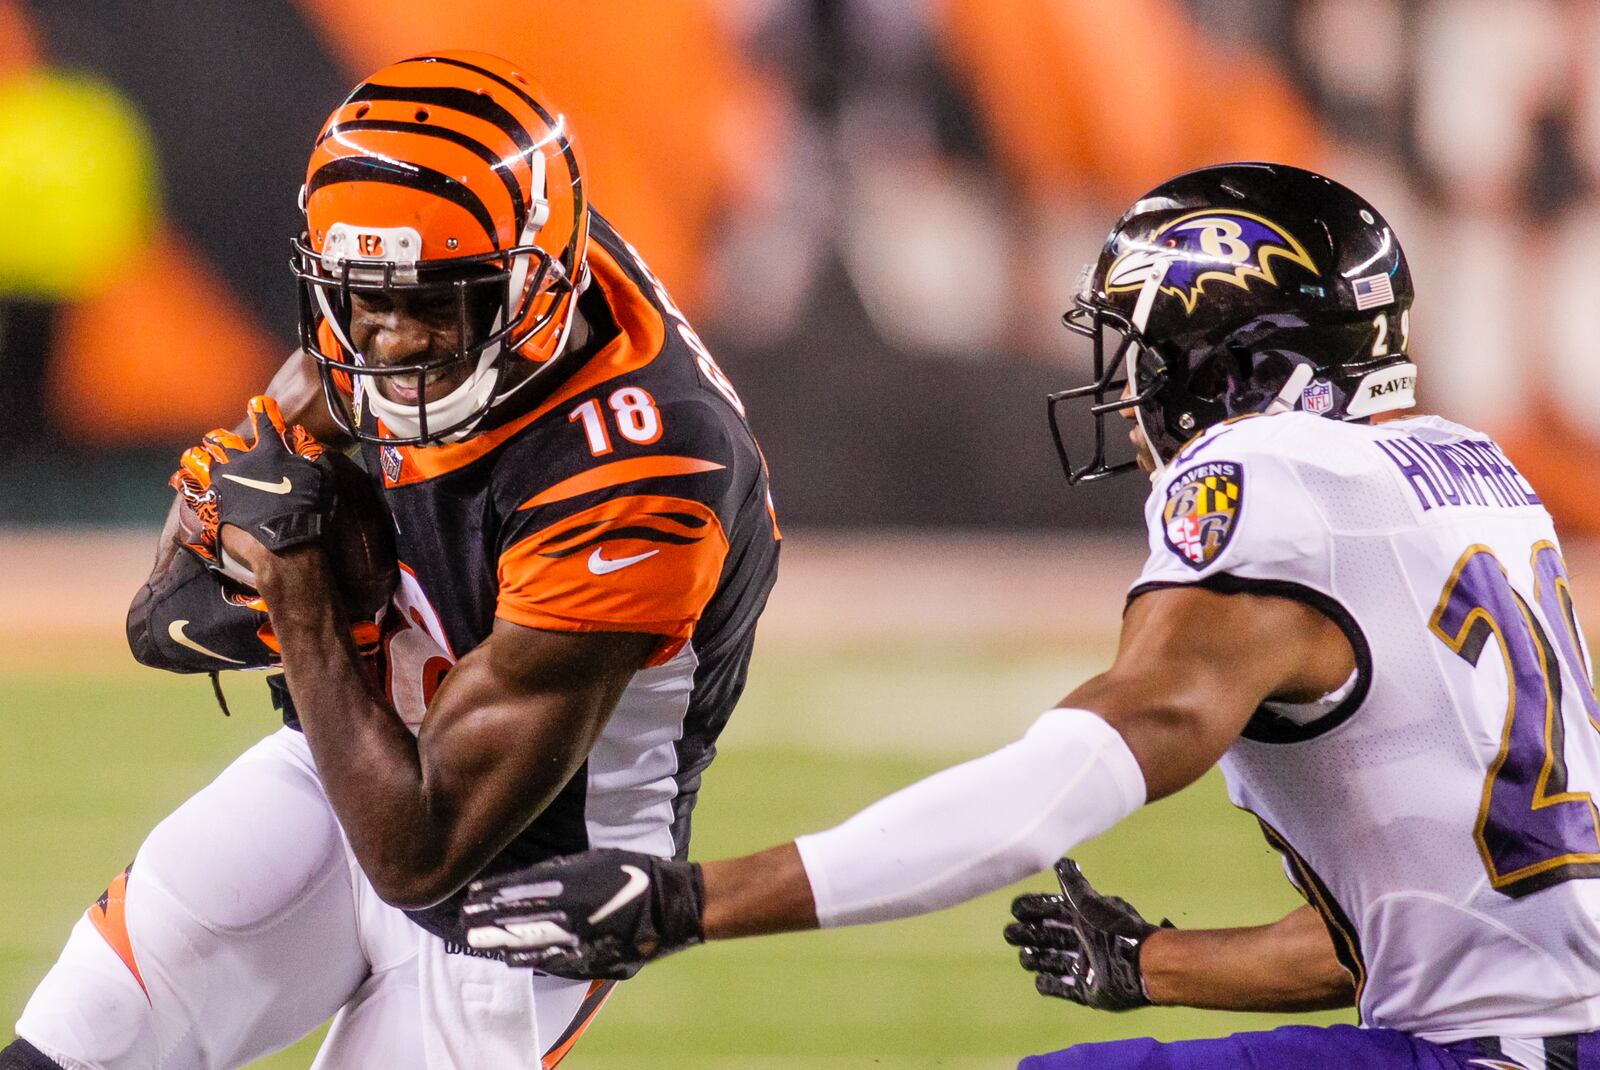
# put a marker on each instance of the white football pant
(244, 923)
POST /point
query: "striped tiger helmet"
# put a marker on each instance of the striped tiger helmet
(442, 175)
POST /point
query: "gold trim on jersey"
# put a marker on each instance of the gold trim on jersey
(1569, 617)
(1346, 941)
(1502, 881)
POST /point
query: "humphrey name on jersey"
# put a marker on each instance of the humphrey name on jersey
(1470, 471)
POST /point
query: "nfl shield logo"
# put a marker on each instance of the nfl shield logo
(390, 456)
(1317, 398)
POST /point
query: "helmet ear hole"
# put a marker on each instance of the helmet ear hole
(1211, 378)
(1264, 379)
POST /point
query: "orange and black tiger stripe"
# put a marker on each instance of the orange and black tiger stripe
(450, 127)
(639, 562)
(555, 125)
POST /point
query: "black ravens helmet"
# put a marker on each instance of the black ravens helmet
(1237, 289)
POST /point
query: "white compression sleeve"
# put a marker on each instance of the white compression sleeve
(976, 827)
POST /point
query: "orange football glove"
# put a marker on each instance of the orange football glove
(277, 486)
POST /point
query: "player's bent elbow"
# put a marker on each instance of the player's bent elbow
(144, 631)
(413, 891)
(410, 884)
(408, 899)
(140, 641)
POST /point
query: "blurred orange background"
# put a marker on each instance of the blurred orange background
(852, 198)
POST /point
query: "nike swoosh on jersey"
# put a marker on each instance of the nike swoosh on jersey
(600, 565)
(637, 883)
(175, 630)
(282, 486)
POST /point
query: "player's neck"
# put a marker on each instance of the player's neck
(581, 333)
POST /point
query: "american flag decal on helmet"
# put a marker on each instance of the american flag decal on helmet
(1373, 291)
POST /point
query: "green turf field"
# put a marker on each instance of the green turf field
(96, 757)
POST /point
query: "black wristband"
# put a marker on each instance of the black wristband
(679, 904)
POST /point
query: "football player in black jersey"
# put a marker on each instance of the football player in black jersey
(585, 539)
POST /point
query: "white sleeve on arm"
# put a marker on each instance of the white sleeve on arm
(977, 827)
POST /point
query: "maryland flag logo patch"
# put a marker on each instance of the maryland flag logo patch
(1201, 510)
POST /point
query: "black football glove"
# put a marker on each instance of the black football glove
(1081, 945)
(278, 486)
(595, 916)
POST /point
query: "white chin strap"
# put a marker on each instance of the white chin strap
(1293, 387)
(454, 408)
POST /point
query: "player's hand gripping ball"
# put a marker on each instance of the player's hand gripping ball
(286, 490)
(1081, 945)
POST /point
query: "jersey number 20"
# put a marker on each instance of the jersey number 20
(1532, 831)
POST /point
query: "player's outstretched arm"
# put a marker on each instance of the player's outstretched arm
(1090, 948)
(1192, 667)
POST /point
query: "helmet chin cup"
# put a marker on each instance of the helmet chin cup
(457, 414)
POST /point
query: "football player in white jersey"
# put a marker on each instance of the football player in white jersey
(1363, 617)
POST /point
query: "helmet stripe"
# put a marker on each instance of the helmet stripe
(519, 203)
(412, 176)
(477, 105)
(549, 120)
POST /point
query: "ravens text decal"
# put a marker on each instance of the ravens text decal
(1202, 510)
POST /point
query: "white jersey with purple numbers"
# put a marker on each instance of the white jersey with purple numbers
(1438, 810)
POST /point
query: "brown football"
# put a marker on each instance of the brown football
(360, 545)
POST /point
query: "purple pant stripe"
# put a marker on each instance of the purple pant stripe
(1340, 1047)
